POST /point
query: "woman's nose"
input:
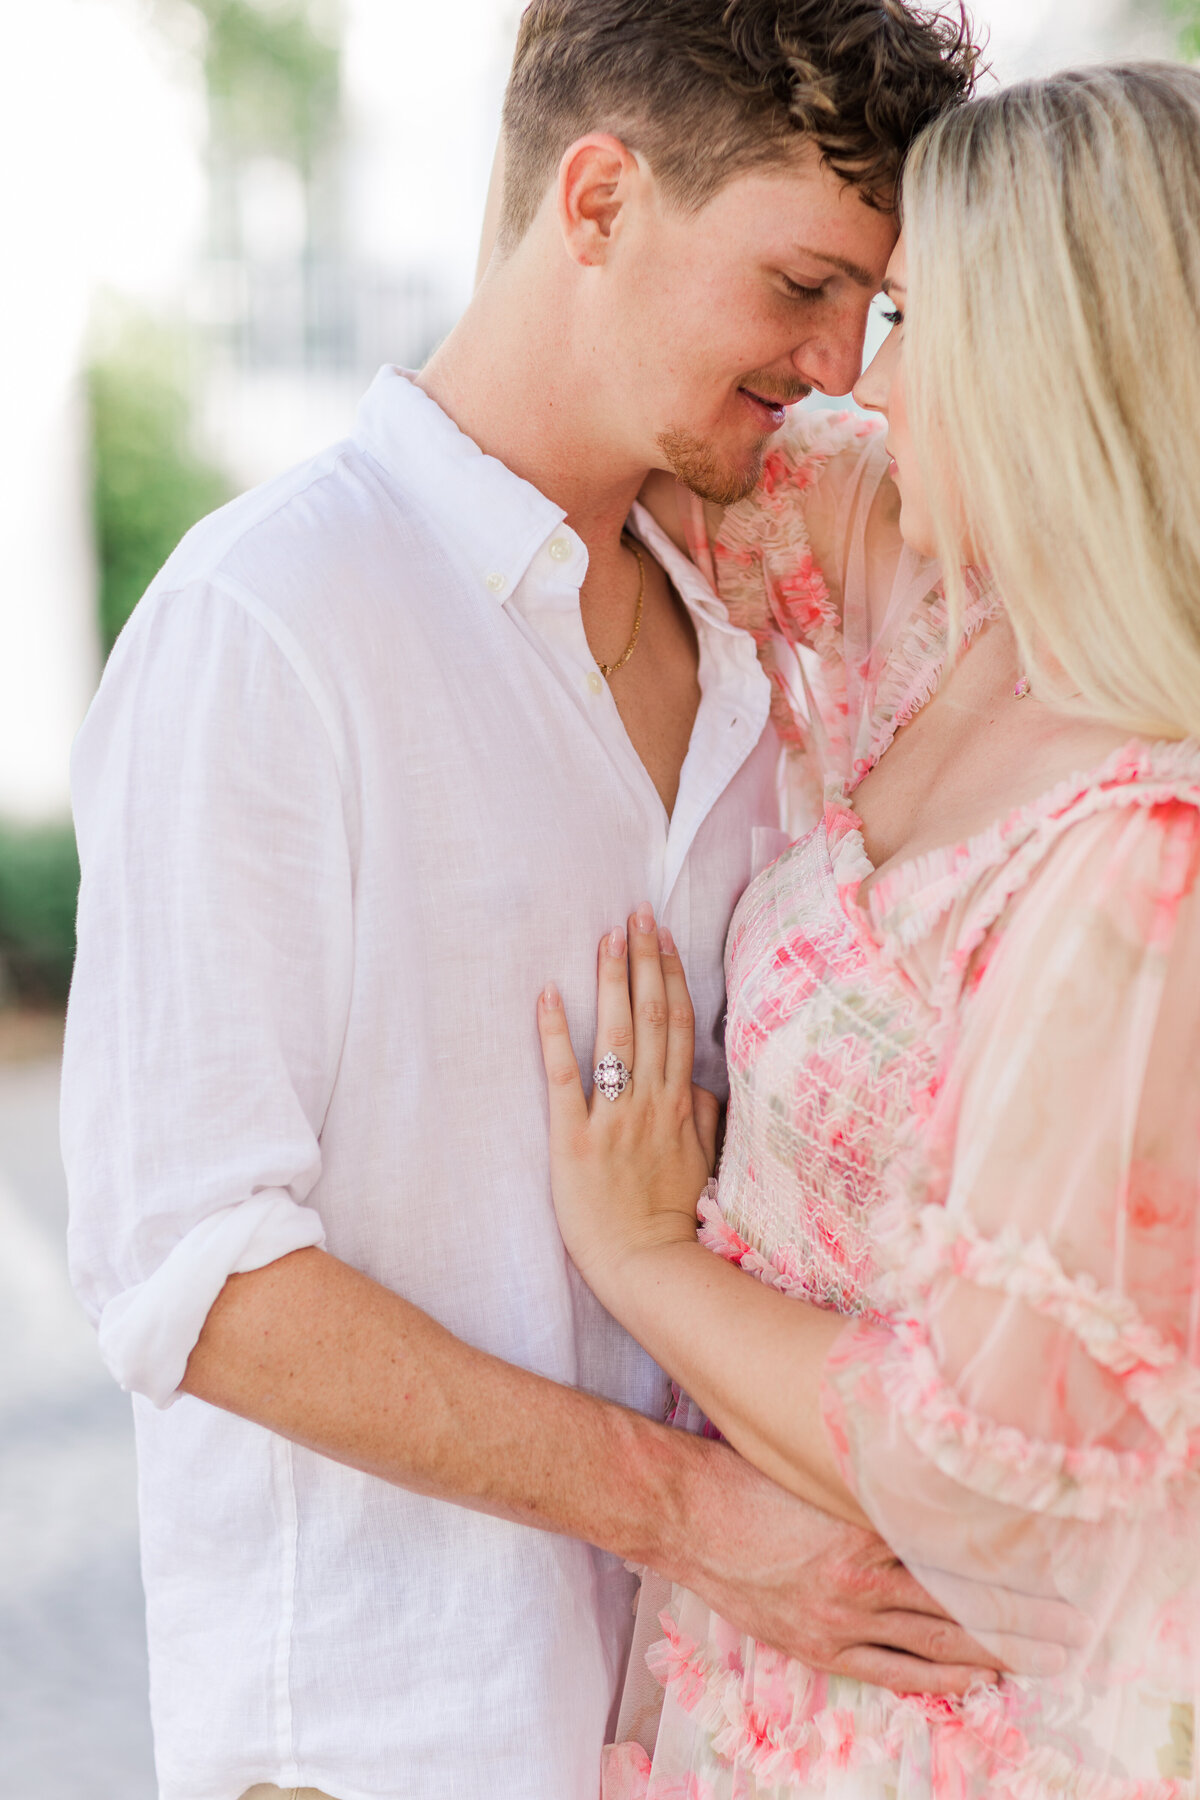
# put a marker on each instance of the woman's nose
(871, 389)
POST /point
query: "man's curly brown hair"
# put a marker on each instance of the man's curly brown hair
(708, 89)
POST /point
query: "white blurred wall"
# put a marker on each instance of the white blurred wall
(99, 185)
(1033, 37)
(424, 85)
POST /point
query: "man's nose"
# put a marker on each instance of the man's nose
(832, 361)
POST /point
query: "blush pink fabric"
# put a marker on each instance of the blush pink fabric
(964, 1112)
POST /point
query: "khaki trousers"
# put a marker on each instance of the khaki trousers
(265, 1792)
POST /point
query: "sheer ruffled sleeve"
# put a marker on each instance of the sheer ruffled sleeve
(1022, 1407)
(813, 566)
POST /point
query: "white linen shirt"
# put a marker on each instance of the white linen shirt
(350, 793)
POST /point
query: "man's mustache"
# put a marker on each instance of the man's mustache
(772, 387)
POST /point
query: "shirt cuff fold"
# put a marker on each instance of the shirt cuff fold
(148, 1332)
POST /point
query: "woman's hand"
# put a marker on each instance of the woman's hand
(627, 1173)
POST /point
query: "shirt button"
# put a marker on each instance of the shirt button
(560, 550)
(495, 582)
(595, 682)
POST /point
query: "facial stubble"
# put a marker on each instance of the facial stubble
(695, 462)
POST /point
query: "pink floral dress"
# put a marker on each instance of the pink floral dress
(966, 1114)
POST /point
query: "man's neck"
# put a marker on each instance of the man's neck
(523, 397)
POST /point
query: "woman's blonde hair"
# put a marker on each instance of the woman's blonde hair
(1053, 358)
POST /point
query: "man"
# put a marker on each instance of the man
(388, 745)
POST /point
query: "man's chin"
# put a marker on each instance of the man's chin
(701, 467)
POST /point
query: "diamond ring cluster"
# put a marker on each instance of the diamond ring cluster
(611, 1076)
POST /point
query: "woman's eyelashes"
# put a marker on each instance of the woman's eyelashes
(891, 315)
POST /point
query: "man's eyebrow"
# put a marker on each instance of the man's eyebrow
(860, 276)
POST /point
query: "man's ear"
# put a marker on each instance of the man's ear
(596, 179)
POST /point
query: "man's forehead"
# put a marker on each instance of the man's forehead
(815, 214)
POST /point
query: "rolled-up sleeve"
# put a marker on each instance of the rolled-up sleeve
(213, 976)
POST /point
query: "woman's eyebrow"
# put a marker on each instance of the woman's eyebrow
(890, 286)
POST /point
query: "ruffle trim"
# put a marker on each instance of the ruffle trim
(905, 904)
(1158, 1379)
(779, 1269)
(983, 1738)
(773, 587)
(997, 1461)
(624, 1772)
(719, 1236)
(914, 669)
(847, 850)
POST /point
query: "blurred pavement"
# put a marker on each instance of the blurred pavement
(74, 1722)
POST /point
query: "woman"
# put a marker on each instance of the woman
(955, 1289)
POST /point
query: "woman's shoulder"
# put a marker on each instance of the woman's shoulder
(1103, 858)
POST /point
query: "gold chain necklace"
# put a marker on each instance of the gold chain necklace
(607, 669)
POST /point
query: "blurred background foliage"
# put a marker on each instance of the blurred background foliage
(150, 483)
(39, 881)
(1186, 14)
(273, 83)
(273, 77)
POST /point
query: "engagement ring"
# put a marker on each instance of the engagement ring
(611, 1076)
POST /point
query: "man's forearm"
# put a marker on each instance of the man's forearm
(320, 1353)
(755, 1369)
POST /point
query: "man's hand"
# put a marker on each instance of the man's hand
(313, 1349)
(833, 1594)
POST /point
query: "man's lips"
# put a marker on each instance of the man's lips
(771, 411)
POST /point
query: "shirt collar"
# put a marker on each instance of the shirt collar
(692, 586)
(496, 521)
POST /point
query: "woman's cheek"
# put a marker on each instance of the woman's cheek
(916, 524)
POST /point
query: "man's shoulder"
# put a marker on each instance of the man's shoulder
(279, 531)
(305, 552)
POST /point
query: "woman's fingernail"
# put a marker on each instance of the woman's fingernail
(666, 942)
(645, 916)
(550, 997)
(616, 943)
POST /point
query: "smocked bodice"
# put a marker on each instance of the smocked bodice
(831, 1052)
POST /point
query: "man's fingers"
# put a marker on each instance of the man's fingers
(1025, 1656)
(908, 1674)
(649, 996)
(1025, 1634)
(930, 1639)
(568, 1108)
(899, 1591)
(999, 1611)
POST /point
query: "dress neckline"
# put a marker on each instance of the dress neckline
(914, 892)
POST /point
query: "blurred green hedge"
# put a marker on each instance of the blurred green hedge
(1186, 14)
(149, 482)
(39, 882)
(149, 486)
